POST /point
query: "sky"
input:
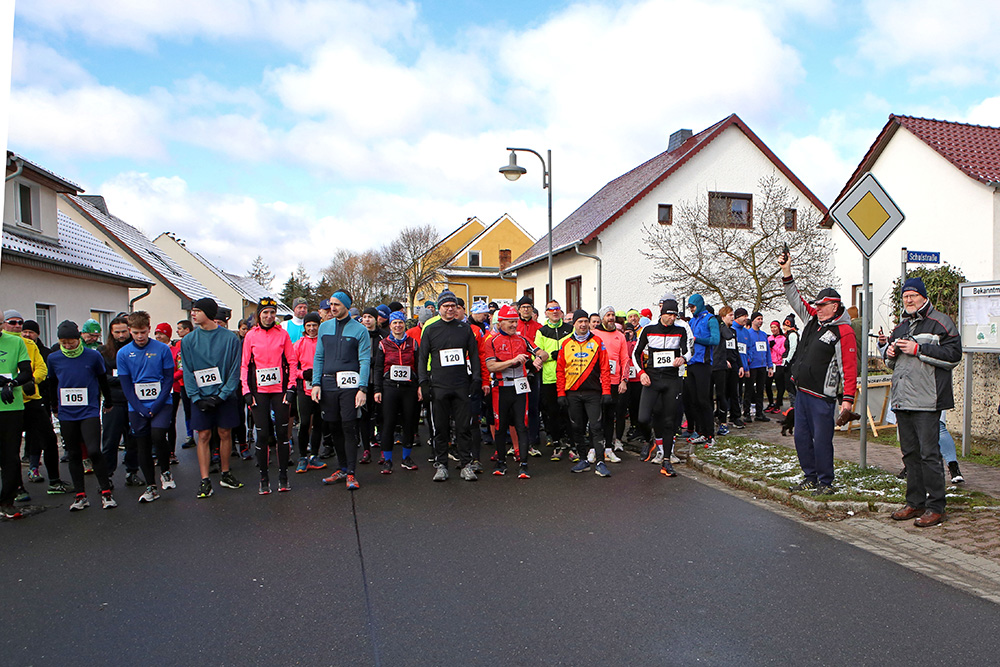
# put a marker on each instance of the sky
(293, 128)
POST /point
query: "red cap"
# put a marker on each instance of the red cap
(646, 312)
(164, 328)
(507, 312)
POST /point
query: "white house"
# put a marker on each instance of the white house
(945, 177)
(53, 269)
(597, 258)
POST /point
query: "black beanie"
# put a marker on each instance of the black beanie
(68, 329)
(525, 301)
(580, 314)
(739, 312)
(208, 306)
(790, 320)
(668, 307)
(31, 325)
(311, 317)
(395, 305)
(755, 315)
(370, 311)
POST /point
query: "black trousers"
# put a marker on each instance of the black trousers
(613, 416)
(700, 385)
(400, 408)
(115, 427)
(88, 433)
(754, 392)
(918, 441)
(634, 396)
(310, 424)
(552, 414)
(264, 405)
(721, 391)
(11, 425)
(40, 438)
(448, 404)
(585, 409)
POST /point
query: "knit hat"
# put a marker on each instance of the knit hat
(224, 314)
(494, 306)
(790, 320)
(311, 317)
(755, 315)
(11, 315)
(668, 295)
(68, 329)
(446, 296)
(460, 301)
(507, 313)
(480, 308)
(299, 301)
(740, 312)
(424, 316)
(343, 297)
(643, 321)
(914, 284)
(630, 311)
(265, 303)
(397, 315)
(525, 301)
(353, 312)
(668, 307)
(830, 295)
(428, 304)
(371, 311)
(164, 328)
(383, 311)
(646, 312)
(206, 305)
(605, 311)
(31, 325)
(91, 326)
(580, 314)
(395, 306)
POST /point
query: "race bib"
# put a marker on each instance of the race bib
(614, 365)
(762, 346)
(70, 396)
(147, 391)
(521, 385)
(731, 344)
(631, 372)
(348, 380)
(114, 372)
(742, 348)
(399, 373)
(452, 357)
(268, 377)
(663, 358)
(208, 377)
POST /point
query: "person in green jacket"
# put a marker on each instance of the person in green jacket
(549, 338)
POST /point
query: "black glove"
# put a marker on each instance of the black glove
(204, 404)
(607, 399)
(307, 375)
(7, 394)
(427, 392)
(4, 380)
(248, 399)
(289, 396)
(563, 403)
(214, 401)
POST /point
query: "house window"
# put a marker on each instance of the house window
(530, 293)
(103, 318)
(26, 205)
(574, 288)
(481, 297)
(730, 209)
(474, 258)
(665, 214)
(44, 316)
(791, 219)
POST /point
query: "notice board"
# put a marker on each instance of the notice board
(979, 316)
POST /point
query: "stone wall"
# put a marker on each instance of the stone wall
(985, 397)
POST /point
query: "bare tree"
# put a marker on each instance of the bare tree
(413, 260)
(716, 252)
(360, 274)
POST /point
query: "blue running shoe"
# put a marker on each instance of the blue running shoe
(601, 470)
(302, 465)
(582, 466)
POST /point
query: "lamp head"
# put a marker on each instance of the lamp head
(511, 171)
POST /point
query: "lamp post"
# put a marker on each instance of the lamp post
(513, 172)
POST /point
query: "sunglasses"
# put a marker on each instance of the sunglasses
(15, 323)
(557, 308)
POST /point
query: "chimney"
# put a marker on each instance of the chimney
(504, 259)
(677, 139)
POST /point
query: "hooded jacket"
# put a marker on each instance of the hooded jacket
(705, 329)
(923, 382)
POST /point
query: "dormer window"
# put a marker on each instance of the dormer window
(474, 258)
(26, 205)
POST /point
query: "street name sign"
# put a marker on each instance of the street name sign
(920, 257)
(867, 214)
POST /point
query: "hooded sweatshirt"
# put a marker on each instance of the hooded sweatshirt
(705, 329)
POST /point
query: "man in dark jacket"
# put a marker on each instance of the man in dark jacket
(922, 351)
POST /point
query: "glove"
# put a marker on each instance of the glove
(607, 399)
(203, 404)
(427, 392)
(289, 396)
(847, 416)
(4, 380)
(214, 401)
(7, 394)
(563, 403)
(307, 375)
(248, 399)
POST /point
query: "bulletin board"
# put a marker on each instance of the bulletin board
(979, 316)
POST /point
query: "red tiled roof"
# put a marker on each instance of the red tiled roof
(973, 149)
(614, 199)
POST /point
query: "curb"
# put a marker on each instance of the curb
(785, 496)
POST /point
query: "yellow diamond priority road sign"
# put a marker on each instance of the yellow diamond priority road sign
(867, 214)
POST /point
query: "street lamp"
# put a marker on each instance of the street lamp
(512, 172)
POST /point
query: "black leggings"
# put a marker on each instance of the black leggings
(510, 409)
(399, 408)
(310, 424)
(263, 405)
(658, 406)
(700, 384)
(450, 404)
(11, 423)
(88, 432)
(41, 438)
(552, 414)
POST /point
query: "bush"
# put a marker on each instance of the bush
(942, 289)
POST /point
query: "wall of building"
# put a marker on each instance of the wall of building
(492, 288)
(204, 275)
(565, 265)
(70, 297)
(946, 212)
(45, 206)
(503, 235)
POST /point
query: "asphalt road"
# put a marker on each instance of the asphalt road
(566, 569)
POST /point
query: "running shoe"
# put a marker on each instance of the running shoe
(557, 454)
(408, 464)
(618, 445)
(804, 485)
(352, 483)
(246, 453)
(173, 459)
(366, 456)
(229, 480)
(477, 467)
(762, 418)
(149, 495)
(573, 456)
(9, 512)
(315, 463)
(337, 476)
(188, 444)
(658, 459)
(326, 452)
(500, 470)
(610, 456)
(81, 503)
(581, 466)
(511, 452)
(302, 466)
(22, 496)
(205, 488)
(709, 442)
(57, 487)
(107, 501)
(441, 474)
(650, 453)
(265, 487)
(386, 467)
(167, 480)
(133, 479)
(700, 440)
(667, 469)
(824, 490)
(523, 472)
(591, 456)
(468, 474)
(214, 467)
(723, 430)
(674, 459)
(601, 470)
(739, 423)
(34, 476)
(283, 485)
(88, 467)
(533, 451)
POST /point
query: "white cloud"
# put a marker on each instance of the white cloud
(40, 65)
(986, 112)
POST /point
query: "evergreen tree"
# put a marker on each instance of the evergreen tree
(261, 272)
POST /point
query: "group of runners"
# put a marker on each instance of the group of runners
(486, 382)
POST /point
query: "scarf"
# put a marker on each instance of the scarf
(72, 354)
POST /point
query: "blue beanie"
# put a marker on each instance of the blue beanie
(397, 315)
(383, 310)
(914, 284)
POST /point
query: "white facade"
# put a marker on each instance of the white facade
(565, 266)
(946, 211)
(729, 163)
